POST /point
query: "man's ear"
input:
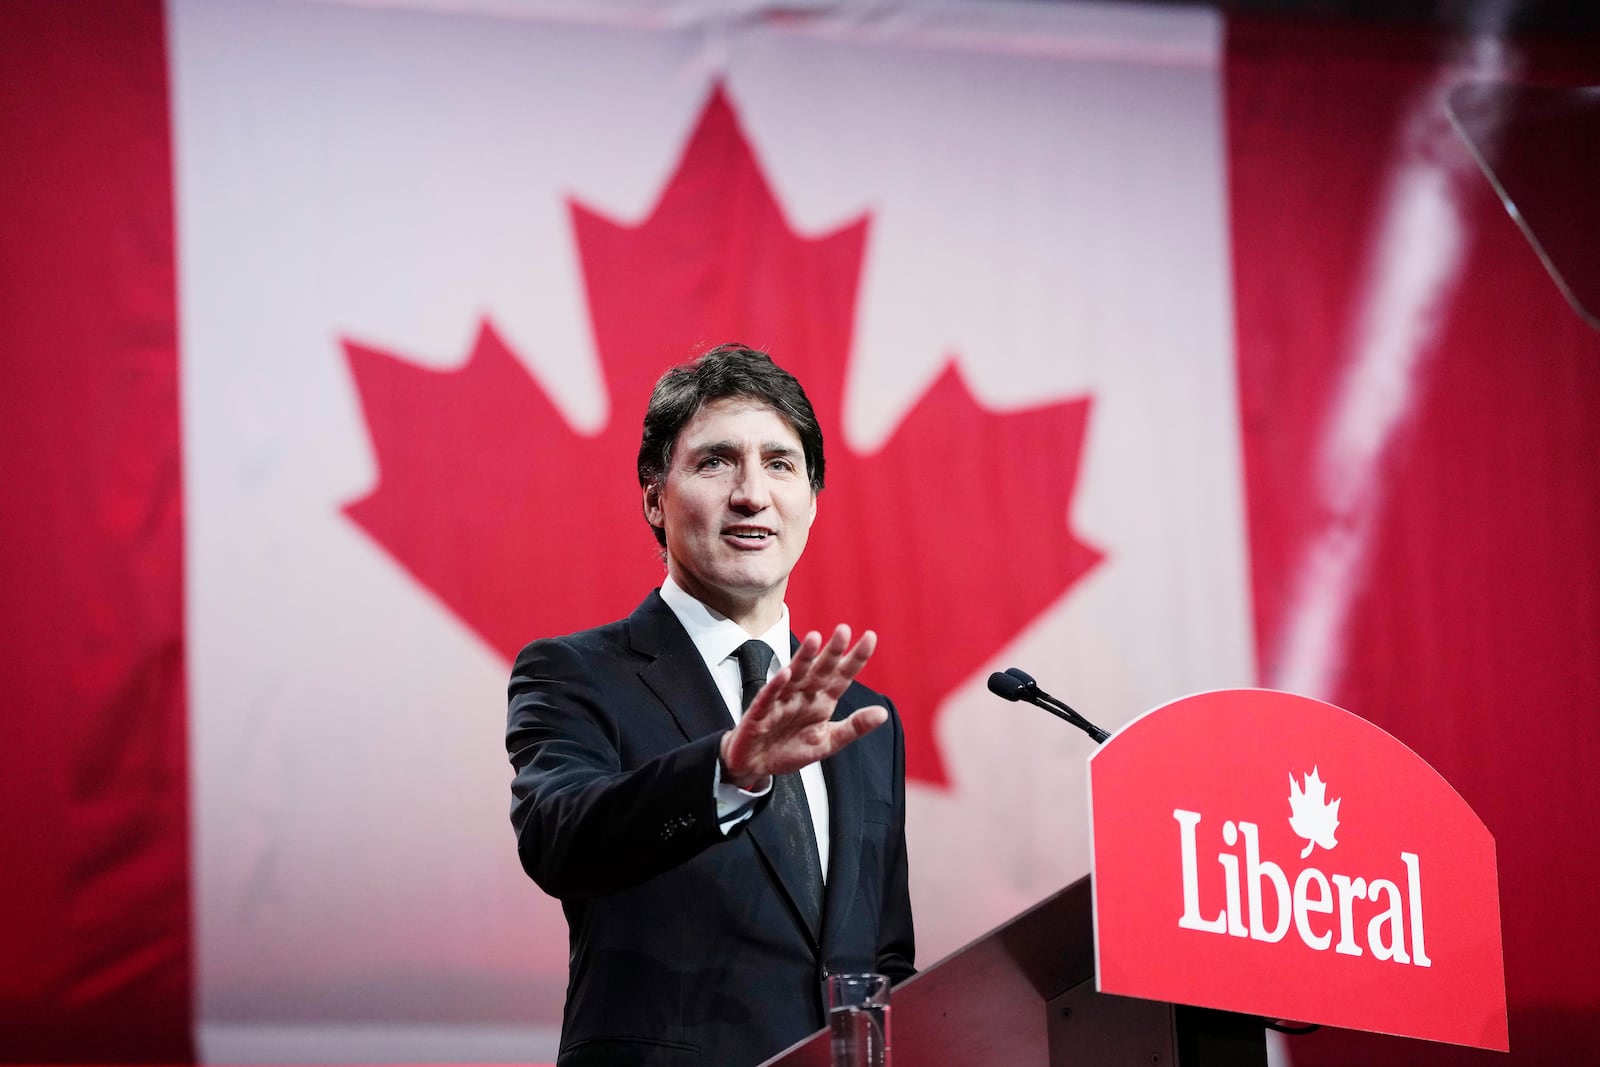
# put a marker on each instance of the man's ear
(652, 504)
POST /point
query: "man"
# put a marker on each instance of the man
(710, 799)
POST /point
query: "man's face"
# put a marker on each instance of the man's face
(736, 505)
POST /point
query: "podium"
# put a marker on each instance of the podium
(1257, 856)
(1024, 994)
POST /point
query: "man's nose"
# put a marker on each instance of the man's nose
(750, 490)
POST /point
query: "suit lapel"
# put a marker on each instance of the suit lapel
(678, 677)
(676, 674)
(843, 773)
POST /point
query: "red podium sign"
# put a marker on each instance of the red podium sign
(1270, 854)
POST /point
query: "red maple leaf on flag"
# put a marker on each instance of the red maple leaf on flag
(947, 540)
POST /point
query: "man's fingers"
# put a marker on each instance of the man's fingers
(789, 719)
(765, 706)
(858, 725)
(858, 656)
(785, 753)
(861, 722)
(821, 662)
(834, 677)
(835, 663)
(791, 757)
(805, 655)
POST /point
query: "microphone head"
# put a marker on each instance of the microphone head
(1021, 675)
(1005, 686)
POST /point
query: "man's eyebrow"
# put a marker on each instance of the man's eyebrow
(707, 448)
(728, 447)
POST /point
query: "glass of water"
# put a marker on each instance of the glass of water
(858, 1019)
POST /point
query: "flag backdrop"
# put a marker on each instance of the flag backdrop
(1155, 354)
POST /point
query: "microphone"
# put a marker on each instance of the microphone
(1015, 684)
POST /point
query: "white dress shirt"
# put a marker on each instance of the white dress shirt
(716, 637)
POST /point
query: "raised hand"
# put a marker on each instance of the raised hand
(788, 724)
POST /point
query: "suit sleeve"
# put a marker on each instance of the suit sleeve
(585, 825)
(897, 947)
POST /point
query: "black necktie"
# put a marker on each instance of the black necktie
(788, 807)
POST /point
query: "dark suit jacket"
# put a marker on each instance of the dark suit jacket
(686, 945)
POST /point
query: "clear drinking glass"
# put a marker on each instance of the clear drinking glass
(858, 1019)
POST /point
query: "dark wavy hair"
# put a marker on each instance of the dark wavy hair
(730, 370)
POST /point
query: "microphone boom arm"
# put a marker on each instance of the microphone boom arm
(1066, 714)
(1014, 684)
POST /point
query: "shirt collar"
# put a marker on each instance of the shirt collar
(715, 636)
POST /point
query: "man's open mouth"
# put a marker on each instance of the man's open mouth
(748, 534)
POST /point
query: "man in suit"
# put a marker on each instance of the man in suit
(712, 800)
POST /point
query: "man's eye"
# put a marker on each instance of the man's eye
(712, 463)
(781, 464)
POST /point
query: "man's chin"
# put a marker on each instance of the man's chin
(742, 585)
(752, 587)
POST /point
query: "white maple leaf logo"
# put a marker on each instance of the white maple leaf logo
(1310, 815)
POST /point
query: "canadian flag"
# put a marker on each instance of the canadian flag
(1153, 353)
